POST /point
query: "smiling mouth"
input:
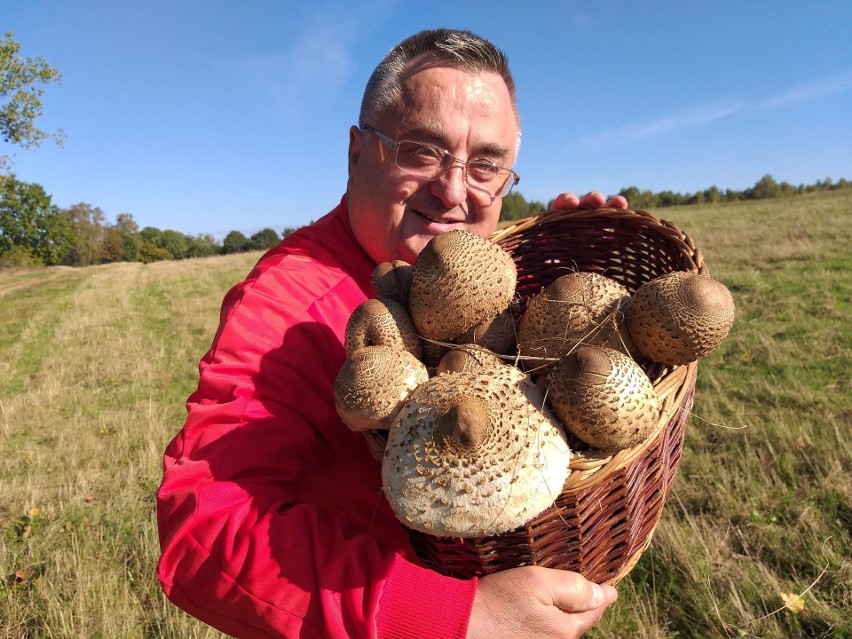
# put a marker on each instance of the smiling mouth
(438, 220)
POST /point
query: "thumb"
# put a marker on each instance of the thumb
(574, 593)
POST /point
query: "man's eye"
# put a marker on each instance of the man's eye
(483, 169)
(425, 152)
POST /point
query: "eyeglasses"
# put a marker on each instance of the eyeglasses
(430, 162)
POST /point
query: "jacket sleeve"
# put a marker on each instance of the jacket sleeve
(270, 512)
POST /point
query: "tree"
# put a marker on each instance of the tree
(203, 245)
(765, 187)
(175, 243)
(263, 240)
(152, 253)
(88, 234)
(125, 222)
(152, 235)
(514, 207)
(21, 88)
(111, 248)
(712, 195)
(131, 243)
(235, 242)
(30, 225)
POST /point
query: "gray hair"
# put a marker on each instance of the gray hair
(460, 49)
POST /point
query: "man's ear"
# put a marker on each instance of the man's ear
(354, 149)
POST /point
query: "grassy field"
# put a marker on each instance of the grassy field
(97, 362)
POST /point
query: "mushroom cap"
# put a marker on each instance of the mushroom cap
(680, 317)
(381, 322)
(467, 357)
(373, 384)
(433, 351)
(498, 334)
(393, 280)
(576, 308)
(474, 453)
(601, 396)
(459, 279)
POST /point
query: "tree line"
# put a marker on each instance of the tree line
(35, 232)
(515, 207)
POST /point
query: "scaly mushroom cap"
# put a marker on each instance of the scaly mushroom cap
(373, 384)
(459, 279)
(474, 453)
(498, 334)
(467, 357)
(393, 280)
(680, 317)
(381, 322)
(577, 308)
(603, 397)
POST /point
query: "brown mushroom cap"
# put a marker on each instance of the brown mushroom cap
(680, 317)
(603, 397)
(498, 334)
(459, 279)
(393, 280)
(576, 308)
(467, 357)
(381, 322)
(473, 453)
(373, 384)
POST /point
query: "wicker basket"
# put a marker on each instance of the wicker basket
(610, 504)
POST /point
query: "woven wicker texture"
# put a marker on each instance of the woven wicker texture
(610, 504)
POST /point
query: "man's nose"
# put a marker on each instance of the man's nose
(451, 185)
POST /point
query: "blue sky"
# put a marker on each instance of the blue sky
(210, 116)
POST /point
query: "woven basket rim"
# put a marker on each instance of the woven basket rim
(684, 242)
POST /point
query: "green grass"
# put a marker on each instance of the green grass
(98, 362)
(762, 500)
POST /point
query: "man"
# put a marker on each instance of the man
(272, 522)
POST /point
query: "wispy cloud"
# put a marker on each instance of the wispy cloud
(683, 119)
(312, 69)
(816, 90)
(704, 114)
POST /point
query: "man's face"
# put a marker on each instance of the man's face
(394, 215)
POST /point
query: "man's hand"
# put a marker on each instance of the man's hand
(592, 200)
(536, 602)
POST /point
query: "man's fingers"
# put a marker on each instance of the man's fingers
(573, 593)
(566, 202)
(617, 202)
(591, 200)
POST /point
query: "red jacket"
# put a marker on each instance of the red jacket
(271, 516)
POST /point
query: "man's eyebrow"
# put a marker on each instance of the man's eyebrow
(492, 149)
(424, 131)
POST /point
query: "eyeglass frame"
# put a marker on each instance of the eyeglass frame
(512, 178)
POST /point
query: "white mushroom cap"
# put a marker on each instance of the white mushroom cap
(474, 453)
(459, 280)
(373, 384)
